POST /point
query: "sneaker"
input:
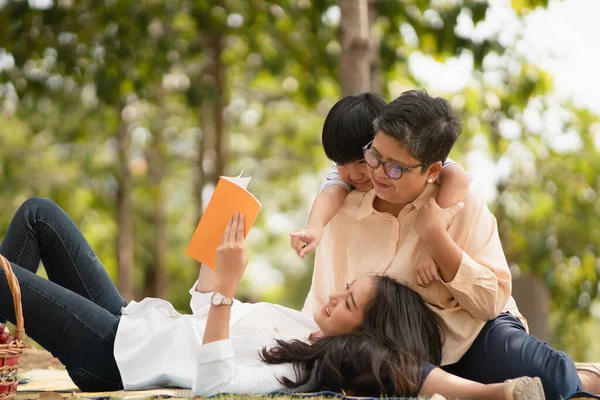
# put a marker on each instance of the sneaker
(524, 388)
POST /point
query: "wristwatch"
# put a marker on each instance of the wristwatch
(217, 299)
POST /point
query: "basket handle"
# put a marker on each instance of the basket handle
(15, 289)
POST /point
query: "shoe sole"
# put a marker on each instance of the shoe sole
(528, 389)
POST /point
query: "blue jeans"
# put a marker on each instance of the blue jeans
(504, 350)
(74, 314)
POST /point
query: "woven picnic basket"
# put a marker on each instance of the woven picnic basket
(10, 352)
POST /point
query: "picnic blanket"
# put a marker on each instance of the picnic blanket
(39, 383)
(35, 382)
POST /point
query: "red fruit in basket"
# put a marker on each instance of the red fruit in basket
(4, 338)
(5, 335)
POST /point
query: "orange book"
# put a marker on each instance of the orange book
(229, 196)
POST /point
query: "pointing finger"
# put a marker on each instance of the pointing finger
(307, 249)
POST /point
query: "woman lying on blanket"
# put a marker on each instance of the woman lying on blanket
(376, 337)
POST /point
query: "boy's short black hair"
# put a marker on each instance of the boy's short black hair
(424, 125)
(349, 126)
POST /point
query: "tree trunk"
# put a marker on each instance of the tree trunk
(533, 299)
(355, 63)
(214, 136)
(221, 147)
(156, 274)
(376, 85)
(124, 217)
(199, 178)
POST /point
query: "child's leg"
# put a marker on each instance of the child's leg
(78, 332)
(504, 350)
(42, 230)
(453, 387)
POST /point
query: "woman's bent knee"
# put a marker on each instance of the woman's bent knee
(35, 208)
(37, 203)
(559, 376)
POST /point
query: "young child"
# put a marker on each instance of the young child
(347, 129)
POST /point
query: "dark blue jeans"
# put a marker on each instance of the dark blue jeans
(74, 314)
(504, 350)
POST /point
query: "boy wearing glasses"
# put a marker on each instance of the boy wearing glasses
(347, 136)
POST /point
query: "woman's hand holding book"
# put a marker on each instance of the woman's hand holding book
(232, 259)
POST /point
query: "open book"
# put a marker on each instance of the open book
(229, 196)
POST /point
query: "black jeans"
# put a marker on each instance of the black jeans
(504, 350)
(74, 314)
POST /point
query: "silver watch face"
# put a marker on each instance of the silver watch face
(218, 299)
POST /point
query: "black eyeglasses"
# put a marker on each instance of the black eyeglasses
(391, 169)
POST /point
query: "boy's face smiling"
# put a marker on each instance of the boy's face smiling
(356, 174)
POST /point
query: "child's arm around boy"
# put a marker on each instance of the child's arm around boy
(454, 185)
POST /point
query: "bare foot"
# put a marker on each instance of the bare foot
(590, 381)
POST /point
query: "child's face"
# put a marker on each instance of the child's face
(356, 174)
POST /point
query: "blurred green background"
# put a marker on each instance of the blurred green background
(126, 112)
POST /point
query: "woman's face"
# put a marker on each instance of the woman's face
(345, 311)
(412, 182)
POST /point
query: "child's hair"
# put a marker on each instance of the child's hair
(349, 126)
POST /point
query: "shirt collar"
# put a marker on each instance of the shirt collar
(366, 208)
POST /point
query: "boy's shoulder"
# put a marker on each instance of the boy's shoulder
(475, 196)
(475, 200)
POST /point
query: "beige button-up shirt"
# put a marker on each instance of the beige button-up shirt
(360, 240)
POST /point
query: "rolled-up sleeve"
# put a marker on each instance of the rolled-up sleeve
(333, 178)
(198, 300)
(482, 285)
(218, 371)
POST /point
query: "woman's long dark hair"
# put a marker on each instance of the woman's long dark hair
(384, 356)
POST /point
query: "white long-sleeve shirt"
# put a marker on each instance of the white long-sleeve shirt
(157, 347)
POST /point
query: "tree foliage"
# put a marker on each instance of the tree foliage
(78, 74)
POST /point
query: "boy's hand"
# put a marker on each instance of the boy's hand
(231, 260)
(427, 269)
(305, 240)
